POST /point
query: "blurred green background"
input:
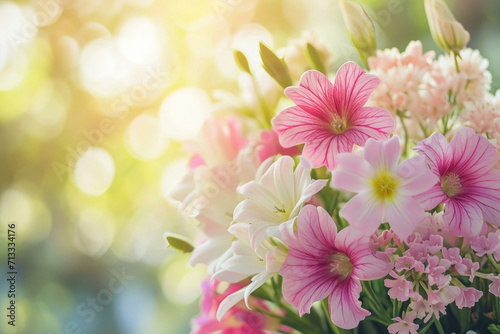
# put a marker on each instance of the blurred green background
(96, 97)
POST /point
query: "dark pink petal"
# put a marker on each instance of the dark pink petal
(352, 88)
(314, 95)
(432, 197)
(363, 212)
(305, 284)
(316, 228)
(345, 307)
(372, 122)
(324, 149)
(351, 173)
(463, 217)
(438, 152)
(472, 153)
(404, 216)
(383, 155)
(356, 246)
(486, 195)
(417, 176)
(296, 126)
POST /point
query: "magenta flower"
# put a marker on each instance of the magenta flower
(386, 190)
(468, 184)
(322, 262)
(330, 119)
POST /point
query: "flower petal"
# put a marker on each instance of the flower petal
(345, 306)
(316, 228)
(463, 217)
(472, 153)
(437, 151)
(314, 95)
(383, 155)
(486, 193)
(352, 88)
(416, 175)
(432, 197)
(352, 173)
(295, 126)
(404, 215)
(323, 150)
(229, 302)
(363, 212)
(371, 122)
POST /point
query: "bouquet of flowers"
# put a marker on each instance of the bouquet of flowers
(362, 200)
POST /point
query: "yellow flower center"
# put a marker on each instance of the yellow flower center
(339, 124)
(385, 186)
(341, 265)
(450, 184)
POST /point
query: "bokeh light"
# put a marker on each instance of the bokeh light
(97, 101)
(94, 171)
(183, 113)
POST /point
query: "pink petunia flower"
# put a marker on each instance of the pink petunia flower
(322, 262)
(468, 184)
(386, 190)
(330, 119)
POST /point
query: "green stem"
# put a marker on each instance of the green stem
(401, 118)
(377, 306)
(333, 329)
(438, 326)
(493, 262)
(455, 56)
(425, 328)
(266, 113)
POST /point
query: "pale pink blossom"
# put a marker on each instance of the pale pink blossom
(401, 75)
(323, 262)
(467, 267)
(400, 288)
(331, 119)
(467, 184)
(481, 114)
(495, 286)
(488, 244)
(268, 145)
(386, 190)
(448, 294)
(403, 326)
(452, 255)
(468, 297)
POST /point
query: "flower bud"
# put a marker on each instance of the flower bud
(360, 28)
(446, 31)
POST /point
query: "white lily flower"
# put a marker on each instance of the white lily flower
(264, 263)
(275, 198)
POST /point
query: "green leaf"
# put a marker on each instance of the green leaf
(314, 58)
(241, 61)
(274, 66)
(179, 242)
(494, 329)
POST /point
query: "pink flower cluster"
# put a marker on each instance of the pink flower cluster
(416, 84)
(425, 273)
